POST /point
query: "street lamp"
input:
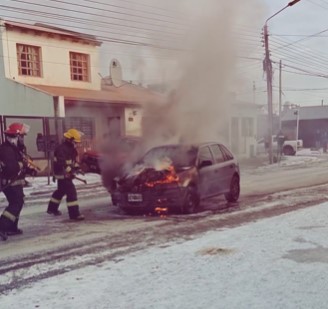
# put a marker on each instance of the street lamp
(267, 64)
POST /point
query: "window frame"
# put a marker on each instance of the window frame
(80, 65)
(216, 159)
(33, 61)
(210, 152)
(228, 155)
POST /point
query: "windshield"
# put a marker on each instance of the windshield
(180, 156)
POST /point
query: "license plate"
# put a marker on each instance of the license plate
(134, 197)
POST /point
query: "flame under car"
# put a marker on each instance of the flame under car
(177, 178)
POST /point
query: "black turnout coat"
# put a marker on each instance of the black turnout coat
(65, 156)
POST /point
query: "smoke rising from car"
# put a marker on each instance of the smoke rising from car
(205, 76)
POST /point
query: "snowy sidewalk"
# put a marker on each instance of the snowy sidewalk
(39, 187)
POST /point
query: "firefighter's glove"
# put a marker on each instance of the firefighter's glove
(68, 169)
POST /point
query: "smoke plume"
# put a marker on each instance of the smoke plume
(204, 77)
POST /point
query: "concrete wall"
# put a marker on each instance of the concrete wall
(55, 60)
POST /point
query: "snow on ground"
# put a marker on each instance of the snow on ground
(278, 262)
(303, 157)
(43, 184)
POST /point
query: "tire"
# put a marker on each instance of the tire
(191, 201)
(288, 151)
(233, 195)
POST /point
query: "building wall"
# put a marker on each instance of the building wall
(101, 115)
(243, 127)
(133, 121)
(19, 100)
(55, 60)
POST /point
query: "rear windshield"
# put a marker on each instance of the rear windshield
(180, 156)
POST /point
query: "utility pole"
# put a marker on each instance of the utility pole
(280, 93)
(268, 71)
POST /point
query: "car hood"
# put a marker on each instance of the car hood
(149, 177)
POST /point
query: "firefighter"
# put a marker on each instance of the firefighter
(65, 167)
(14, 168)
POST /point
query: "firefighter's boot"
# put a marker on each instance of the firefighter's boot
(79, 217)
(54, 212)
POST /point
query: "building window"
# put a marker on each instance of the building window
(29, 60)
(79, 64)
(247, 127)
(83, 124)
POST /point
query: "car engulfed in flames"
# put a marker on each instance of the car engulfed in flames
(151, 189)
(174, 178)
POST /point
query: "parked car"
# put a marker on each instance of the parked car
(289, 148)
(178, 177)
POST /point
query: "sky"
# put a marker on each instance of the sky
(298, 37)
(277, 262)
(176, 27)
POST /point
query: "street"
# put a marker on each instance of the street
(49, 243)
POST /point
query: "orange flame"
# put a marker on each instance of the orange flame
(161, 211)
(170, 177)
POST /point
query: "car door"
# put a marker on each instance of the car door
(222, 170)
(231, 166)
(206, 168)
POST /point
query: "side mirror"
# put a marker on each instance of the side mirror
(205, 163)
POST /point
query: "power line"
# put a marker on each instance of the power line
(68, 19)
(134, 9)
(95, 15)
(112, 11)
(147, 5)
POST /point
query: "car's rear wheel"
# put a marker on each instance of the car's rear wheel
(233, 195)
(191, 201)
(288, 151)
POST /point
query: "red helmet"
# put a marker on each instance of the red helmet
(17, 128)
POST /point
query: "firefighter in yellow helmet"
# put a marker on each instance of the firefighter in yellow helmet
(65, 166)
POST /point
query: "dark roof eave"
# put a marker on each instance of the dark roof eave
(102, 101)
(68, 35)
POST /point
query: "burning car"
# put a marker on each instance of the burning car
(178, 177)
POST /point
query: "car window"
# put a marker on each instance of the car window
(179, 155)
(217, 153)
(205, 154)
(227, 154)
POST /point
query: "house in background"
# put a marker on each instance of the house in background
(311, 123)
(243, 128)
(49, 79)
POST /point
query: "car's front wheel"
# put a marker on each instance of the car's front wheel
(191, 201)
(233, 194)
